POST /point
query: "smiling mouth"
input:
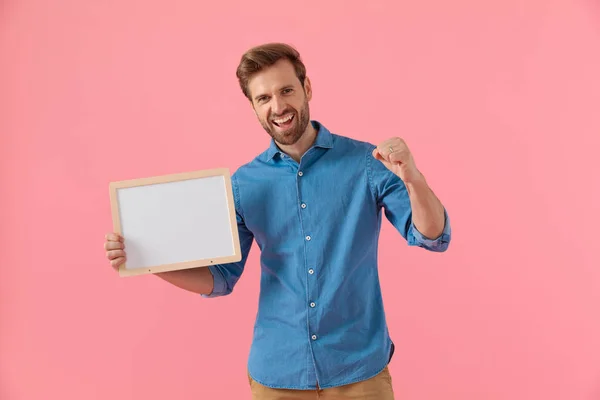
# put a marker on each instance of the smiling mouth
(283, 122)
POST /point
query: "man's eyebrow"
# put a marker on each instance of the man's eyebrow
(259, 96)
(289, 86)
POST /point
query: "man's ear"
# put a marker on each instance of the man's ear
(308, 88)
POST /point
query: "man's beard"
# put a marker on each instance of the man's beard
(295, 132)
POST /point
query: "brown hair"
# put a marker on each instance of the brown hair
(265, 55)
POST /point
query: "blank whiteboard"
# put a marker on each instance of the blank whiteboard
(177, 221)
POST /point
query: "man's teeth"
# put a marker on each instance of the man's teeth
(284, 119)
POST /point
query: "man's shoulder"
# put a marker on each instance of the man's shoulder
(348, 146)
(251, 166)
(348, 141)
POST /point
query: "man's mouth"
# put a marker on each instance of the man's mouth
(284, 122)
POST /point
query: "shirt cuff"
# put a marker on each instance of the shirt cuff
(219, 286)
(438, 244)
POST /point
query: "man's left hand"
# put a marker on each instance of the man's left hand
(396, 156)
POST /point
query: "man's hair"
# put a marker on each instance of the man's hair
(259, 57)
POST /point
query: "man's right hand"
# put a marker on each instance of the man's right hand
(114, 247)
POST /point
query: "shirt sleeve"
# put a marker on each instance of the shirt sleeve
(225, 276)
(391, 195)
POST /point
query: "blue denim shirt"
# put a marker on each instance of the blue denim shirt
(320, 316)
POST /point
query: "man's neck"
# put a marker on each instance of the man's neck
(297, 150)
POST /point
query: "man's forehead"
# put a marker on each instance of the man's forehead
(273, 79)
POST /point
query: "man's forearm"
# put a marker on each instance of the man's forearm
(197, 280)
(427, 210)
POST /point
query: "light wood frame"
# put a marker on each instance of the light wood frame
(116, 219)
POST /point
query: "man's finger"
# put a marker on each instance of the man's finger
(114, 237)
(117, 262)
(114, 245)
(113, 254)
(377, 155)
(382, 155)
(398, 157)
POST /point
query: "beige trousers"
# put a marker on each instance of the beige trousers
(377, 388)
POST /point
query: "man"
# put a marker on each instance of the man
(313, 201)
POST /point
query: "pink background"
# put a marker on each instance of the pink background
(499, 101)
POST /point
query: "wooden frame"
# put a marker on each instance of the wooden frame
(115, 187)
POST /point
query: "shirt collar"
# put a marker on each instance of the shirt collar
(324, 140)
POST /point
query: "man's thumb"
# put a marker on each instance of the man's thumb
(376, 155)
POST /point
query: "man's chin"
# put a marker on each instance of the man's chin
(286, 139)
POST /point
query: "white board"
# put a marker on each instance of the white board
(177, 221)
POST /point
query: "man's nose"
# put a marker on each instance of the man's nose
(278, 105)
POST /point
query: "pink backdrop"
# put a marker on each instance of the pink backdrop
(499, 101)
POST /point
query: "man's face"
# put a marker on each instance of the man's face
(280, 102)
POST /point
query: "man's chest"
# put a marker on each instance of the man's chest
(282, 203)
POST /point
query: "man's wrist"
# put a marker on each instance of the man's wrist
(417, 183)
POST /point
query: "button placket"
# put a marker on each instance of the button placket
(306, 227)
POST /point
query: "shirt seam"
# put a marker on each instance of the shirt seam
(369, 174)
(237, 199)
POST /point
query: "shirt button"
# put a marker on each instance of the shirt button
(300, 173)
(312, 305)
(311, 271)
(314, 337)
(303, 205)
(308, 238)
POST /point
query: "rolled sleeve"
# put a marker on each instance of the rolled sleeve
(219, 285)
(439, 244)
